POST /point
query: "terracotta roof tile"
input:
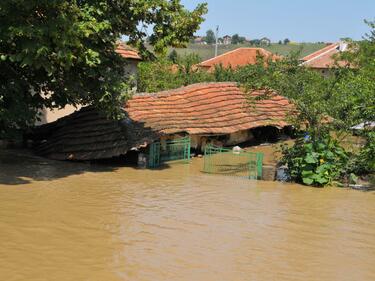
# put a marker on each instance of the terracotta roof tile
(207, 108)
(237, 57)
(127, 52)
(323, 58)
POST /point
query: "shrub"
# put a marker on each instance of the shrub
(364, 162)
(317, 163)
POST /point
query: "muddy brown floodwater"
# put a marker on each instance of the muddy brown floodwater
(66, 221)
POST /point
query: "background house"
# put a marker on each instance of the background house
(236, 58)
(227, 40)
(132, 58)
(265, 41)
(199, 40)
(324, 60)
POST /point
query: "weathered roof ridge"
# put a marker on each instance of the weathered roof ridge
(186, 88)
(207, 108)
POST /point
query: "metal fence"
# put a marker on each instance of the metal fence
(161, 152)
(219, 160)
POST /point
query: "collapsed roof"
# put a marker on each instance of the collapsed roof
(207, 108)
(199, 109)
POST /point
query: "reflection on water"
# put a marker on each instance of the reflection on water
(66, 221)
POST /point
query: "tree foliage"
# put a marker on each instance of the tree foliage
(237, 39)
(163, 74)
(173, 56)
(210, 37)
(54, 53)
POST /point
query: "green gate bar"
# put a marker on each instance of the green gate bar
(163, 151)
(219, 160)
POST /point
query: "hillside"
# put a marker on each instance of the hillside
(207, 51)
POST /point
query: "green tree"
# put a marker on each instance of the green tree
(255, 42)
(241, 39)
(286, 41)
(158, 75)
(54, 53)
(173, 56)
(162, 74)
(235, 39)
(210, 37)
(355, 95)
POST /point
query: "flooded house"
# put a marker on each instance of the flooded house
(218, 113)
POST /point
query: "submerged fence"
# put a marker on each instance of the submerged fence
(219, 160)
(161, 152)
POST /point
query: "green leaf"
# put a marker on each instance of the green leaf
(310, 159)
(321, 180)
(308, 181)
(307, 173)
(324, 167)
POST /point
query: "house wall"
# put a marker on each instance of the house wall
(51, 115)
(131, 68)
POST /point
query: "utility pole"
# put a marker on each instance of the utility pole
(216, 37)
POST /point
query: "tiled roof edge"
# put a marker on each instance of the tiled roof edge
(203, 63)
(320, 52)
(188, 87)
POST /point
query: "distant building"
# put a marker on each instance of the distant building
(227, 40)
(199, 40)
(133, 58)
(236, 58)
(265, 41)
(323, 60)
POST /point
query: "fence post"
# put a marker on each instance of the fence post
(151, 156)
(259, 165)
(188, 148)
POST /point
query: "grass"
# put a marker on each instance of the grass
(208, 51)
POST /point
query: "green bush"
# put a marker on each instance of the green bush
(317, 163)
(364, 162)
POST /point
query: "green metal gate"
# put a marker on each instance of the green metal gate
(177, 149)
(225, 161)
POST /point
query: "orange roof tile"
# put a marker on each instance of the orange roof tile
(323, 58)
(207, 108)
(127, 52)
(237, 57)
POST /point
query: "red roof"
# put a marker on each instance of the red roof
(237, 57)
(127, 52)
(207, 108)
(323, 58)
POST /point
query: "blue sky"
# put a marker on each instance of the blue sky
(298, 20)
